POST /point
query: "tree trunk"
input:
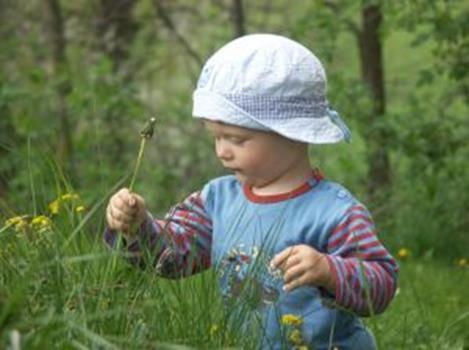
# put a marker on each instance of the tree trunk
(237, 13)
(371, 60)
(60, 64)
(115, 31)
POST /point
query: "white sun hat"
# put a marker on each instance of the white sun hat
(269, 82)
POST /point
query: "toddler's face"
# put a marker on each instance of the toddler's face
(256, 157)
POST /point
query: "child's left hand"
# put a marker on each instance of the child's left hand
(303, 265)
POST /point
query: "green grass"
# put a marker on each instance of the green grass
(430, 310)
(61, 288)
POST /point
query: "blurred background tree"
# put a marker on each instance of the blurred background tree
(78, 79)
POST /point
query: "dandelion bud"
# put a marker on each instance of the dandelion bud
(148, 129)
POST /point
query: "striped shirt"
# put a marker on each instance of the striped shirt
(228, 227)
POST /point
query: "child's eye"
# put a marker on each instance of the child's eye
(236, 140)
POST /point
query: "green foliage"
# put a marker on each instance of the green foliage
(61, 286)
(425, 46)
(429, 311)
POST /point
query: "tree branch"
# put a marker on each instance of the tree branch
(351, 25)
(168, 22)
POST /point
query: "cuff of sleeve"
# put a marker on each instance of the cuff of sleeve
(110, 237)
(146, 228)
(334, 268)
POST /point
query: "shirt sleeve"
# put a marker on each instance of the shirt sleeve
(365, 272)
(177, 246)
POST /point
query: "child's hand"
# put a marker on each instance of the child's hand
(303, 265)
(125, 211)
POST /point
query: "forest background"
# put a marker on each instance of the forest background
(79, 79)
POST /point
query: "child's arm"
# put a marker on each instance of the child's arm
(353, 252)
(364, 271)
(177, 246)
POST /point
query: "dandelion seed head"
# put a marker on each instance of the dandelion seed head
(148, 129)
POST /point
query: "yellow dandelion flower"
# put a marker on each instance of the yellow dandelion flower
(21, 226)
(15, 219)
(214, 329)
(19, 222)
(403, 253)
(292, 320)
(40, 222)
(462, 262)
(54, 206)
(296, 337)
(80, 208)
(70, 197)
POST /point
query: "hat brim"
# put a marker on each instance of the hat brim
(314, 129)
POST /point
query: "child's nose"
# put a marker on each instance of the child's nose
(223, 150)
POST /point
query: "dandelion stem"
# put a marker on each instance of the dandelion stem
(145, 134)
(137, 163)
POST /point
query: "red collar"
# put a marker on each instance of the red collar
(316, 177)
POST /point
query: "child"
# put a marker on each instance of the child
(276, 227)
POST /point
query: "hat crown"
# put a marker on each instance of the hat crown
(271, 83)
(265, 65)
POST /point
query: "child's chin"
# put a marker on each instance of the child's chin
(245, 180)
(242, 179)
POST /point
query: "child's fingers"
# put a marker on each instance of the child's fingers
(295, 283)
(291, 261)
(121, 201)
(125, 210)
(293, 273)
(280, 259)
(123, 193)
(117, 219)
(109, 218)
(131, 201)
(138, 207)
(128, 200)
(111, 221)
(120, 215)
(301, 275)
(294, 267)
(118, 202)
(138, 200)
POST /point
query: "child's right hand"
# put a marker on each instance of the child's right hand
(126, 211)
